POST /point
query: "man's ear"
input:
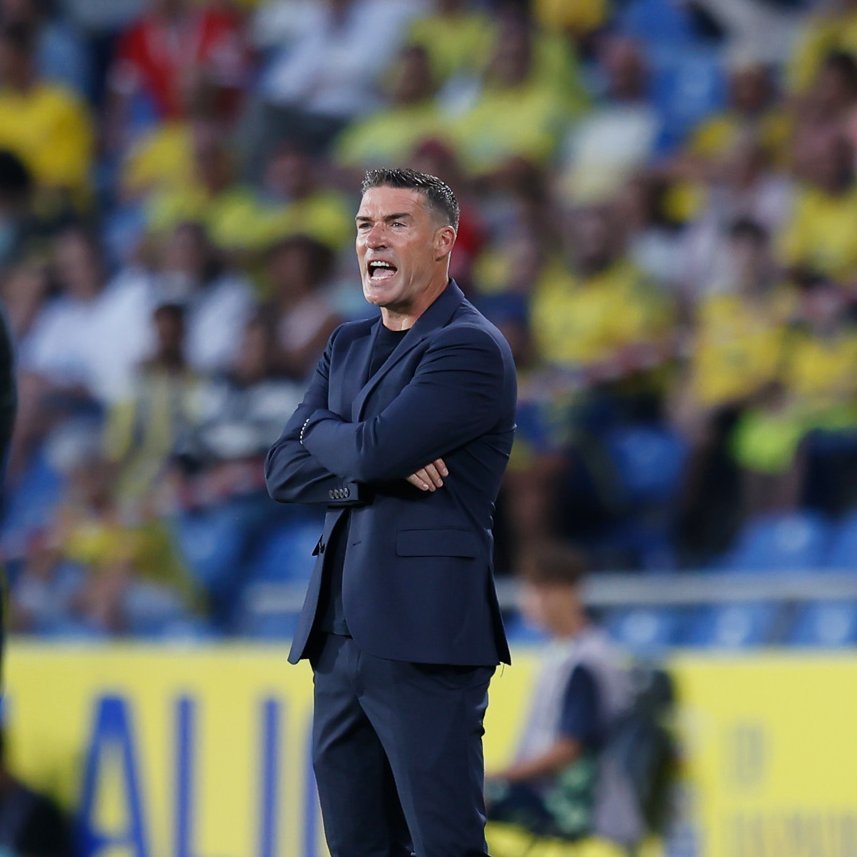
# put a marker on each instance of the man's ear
(444, 239)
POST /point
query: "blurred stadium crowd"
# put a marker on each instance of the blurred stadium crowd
(659, 208)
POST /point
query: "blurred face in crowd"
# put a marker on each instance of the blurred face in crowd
(824, 158)
(412, 77)
(253, 359)
(212, 158)
(169, 330)
(624, 67)
(16, 61)
(77, 265)
(296, 266)
(512, 59)
(750, 89)
(289, 175)
(187, 252)
(592, 239)
(403, 250)
(835, 86)
(553, 607)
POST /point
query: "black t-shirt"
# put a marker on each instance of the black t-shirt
(331, 611)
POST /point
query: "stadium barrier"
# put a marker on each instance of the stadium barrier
(203, 751)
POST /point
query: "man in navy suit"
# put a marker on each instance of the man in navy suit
(404, 434)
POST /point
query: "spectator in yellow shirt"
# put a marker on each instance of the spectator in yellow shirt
(296, 200)
(412, 115)
(832, 28)
(210, 195)
(753, 108)
(741, 332)
(819, 237)
(44, 124)
(518, 111)
(598, 313)
(456, 37)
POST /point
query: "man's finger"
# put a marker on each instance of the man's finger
(420, 480)
(433, 474)
(441, 466)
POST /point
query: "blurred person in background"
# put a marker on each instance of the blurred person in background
(19, 228)
(754, 109)
(620, 131)
(519, 104)
(456, 36)
(212, 194)
(219, 301)
(818, 238)
(91, 572)
(741, 183)
(297, 197)
(829, 26)
(81, 350)
(61, 50)
(31, 823)
(574, 310)
(143, 427)
(649, 230)
(410, 115)
(36, 113)
(160, 54)
(557, 784)
(313, 88)
(738, 342)
(300, 306)
(830, 103)
(233, 418)
(816, 389)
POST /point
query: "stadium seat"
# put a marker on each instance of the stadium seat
(643, 630)
(825, 624)
(285, 554)
(519, 632)
(732, 626)
(842, 550)
(30, 506)
(648, 461)
(687, 86)
(786, 542)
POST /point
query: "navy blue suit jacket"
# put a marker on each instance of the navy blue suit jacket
(418, 578)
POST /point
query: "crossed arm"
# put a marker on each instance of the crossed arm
(452, 398)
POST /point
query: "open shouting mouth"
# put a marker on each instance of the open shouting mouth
(380, 269)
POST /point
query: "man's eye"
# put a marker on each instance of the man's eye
(398, 223)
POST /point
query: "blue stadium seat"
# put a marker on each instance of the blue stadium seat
(732, 626)
(842, 551)
(643, 630)
(285, 554)
(661, 23)
(686, 86)
(274, 626)
(794, 541)
(30, 506)
(648, 460)
(825, 624)
(519, 632)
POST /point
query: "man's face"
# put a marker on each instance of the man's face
(401, 247)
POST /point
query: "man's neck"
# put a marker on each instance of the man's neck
(402, 320)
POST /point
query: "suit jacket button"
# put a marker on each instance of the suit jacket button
(346, 491)
(332, 493)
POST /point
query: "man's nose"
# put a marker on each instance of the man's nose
(377, 236)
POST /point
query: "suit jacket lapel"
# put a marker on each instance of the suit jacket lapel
(435, 316)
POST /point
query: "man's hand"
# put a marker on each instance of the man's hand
(430, 477)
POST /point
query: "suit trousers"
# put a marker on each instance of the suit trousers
(397, 753)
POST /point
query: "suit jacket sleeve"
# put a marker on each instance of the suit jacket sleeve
(455, 396)
(292, 473)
